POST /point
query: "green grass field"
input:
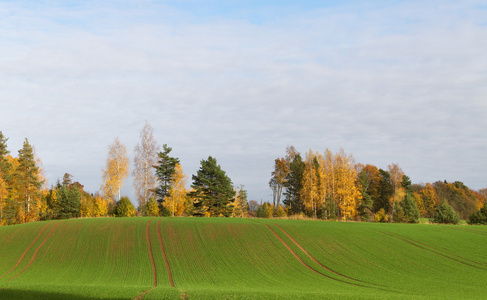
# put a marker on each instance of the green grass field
(208, 258)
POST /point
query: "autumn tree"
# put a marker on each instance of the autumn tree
(124, 207)
(240, 205)
(310, 191)
(395, 176)
(278, 179)
(347, 191)
(165, 169)
(4, 170)
(176, 200)
(428, 200)
(145, 159)
(153, 207)
(212, 190)
(116, 170)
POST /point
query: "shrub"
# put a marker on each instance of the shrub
(381, 216)
(264, 211)
(279, 212)
(152, 207)
(445, 214)
(124, 208)
(479, 217)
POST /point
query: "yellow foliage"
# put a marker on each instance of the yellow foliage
(176, 200)
(381, 216)
(117, 169)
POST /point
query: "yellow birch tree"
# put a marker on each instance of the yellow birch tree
(117, 169)
(310, 189)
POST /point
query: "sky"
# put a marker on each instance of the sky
(388, 81)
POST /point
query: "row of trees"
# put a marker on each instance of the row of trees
(21, 183)
(160, 183)
(332, 186)
(319, 185)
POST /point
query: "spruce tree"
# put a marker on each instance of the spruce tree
(213, 192)
(406, 211)
(27, 171)
(445, 214)
(294, 184)
(165, 168)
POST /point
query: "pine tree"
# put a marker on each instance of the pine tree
(212, 192)
(165, 169)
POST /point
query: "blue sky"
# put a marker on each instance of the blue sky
(389, 81)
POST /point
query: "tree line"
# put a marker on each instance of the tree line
(159, 185)
(333, 186)
(329, 186)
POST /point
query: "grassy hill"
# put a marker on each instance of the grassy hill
(198, 258)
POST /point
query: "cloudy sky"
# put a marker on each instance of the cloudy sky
(389, 81)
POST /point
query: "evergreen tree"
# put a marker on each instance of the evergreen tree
(165, 169)
(406, 211)
(294, 185)
(445, 214)
(406, 184)
(385, 192)
(4, 164)
(4, 174)
(480, 217)
(27, 179)
(365, 207)
(69, 201)
(212, 192)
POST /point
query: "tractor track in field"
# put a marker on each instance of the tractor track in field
(35, 253)
(151, 256)
(26, 250)
(441, 250)
(163, 250)
(154, 271)
(320, 264)
(306, 265)
(428, 248)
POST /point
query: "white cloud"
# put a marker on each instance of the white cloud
(393, 83)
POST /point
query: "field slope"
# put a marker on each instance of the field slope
(208, 258)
